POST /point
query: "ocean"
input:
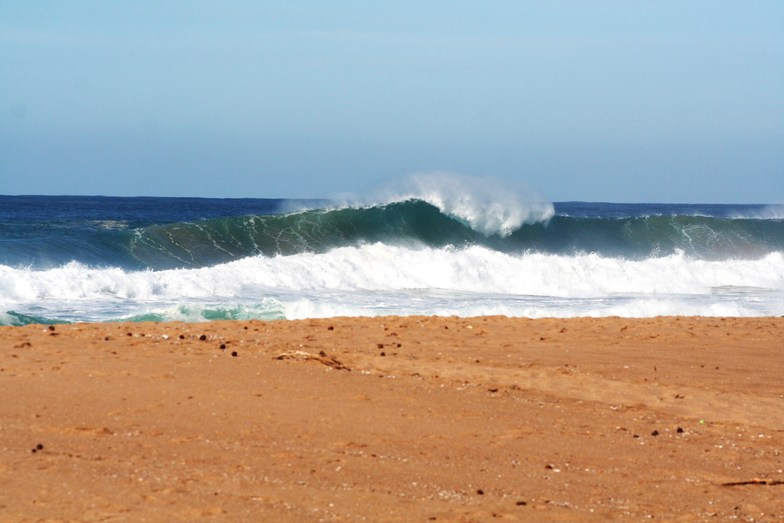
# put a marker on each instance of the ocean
(438, 248)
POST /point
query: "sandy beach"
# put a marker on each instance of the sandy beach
(394, 419)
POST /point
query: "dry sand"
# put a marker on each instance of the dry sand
(394, 419)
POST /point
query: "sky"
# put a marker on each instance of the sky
(625, 101)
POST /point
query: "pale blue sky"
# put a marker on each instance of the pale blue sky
(635, 101)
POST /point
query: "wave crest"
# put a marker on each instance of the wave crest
(486, 205)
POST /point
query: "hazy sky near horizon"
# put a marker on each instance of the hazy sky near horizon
(644, 101)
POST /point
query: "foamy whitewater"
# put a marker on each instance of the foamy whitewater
(436, 244)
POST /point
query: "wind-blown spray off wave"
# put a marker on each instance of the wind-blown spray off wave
(483, 204)
(434, 244)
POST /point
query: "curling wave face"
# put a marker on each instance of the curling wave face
(415, 222)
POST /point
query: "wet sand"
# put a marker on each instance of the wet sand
(394, 419)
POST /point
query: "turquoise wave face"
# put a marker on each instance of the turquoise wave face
(207, 242)
(414, 222)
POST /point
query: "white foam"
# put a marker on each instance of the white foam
(383, 279)
(383, 267)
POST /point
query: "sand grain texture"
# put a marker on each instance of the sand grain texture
(394, 419)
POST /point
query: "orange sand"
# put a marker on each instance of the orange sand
(394, 419)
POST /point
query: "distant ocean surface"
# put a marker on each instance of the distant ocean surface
(441, 247)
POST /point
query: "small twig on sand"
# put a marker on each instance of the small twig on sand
(321, 357)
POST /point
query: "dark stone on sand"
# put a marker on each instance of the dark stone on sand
(129, 334)
(203, 337)
(380, 345)
(322, 354)
(480, 492)
(234, 353)
(521, 503)
(679, 430)
(40, 446)
(383, 353)
(222, 346)
(330, 328)
(51, 327)
(182, 336)
(655, 433)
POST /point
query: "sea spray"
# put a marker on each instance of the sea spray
(486, 205)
